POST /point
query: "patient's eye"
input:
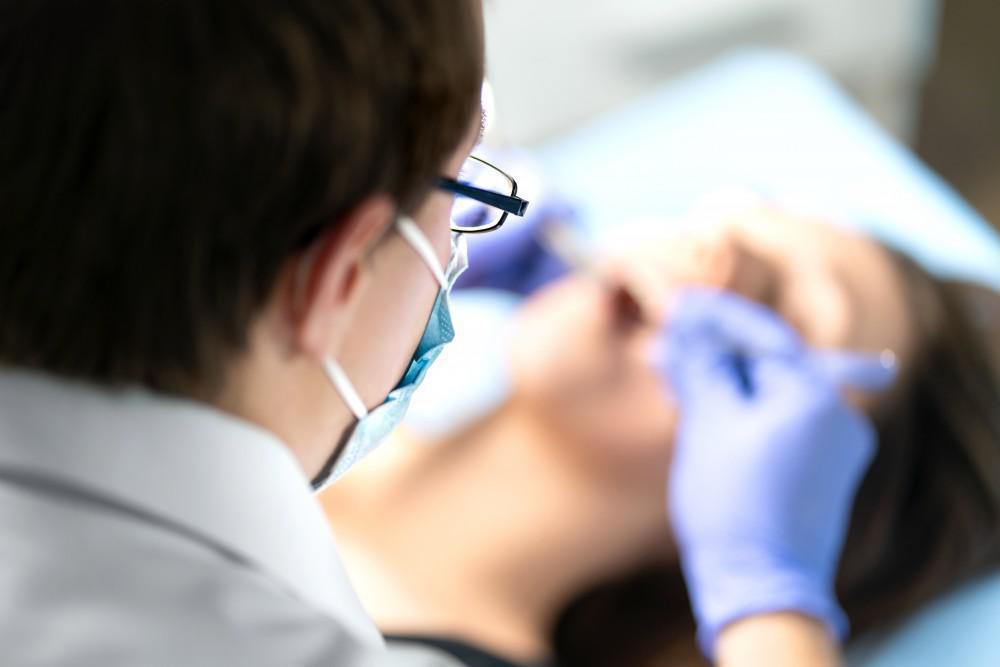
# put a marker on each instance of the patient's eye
(815, 304)
(751, 274)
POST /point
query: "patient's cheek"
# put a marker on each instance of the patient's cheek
(593, 380)
(562, 343)
(644, 401)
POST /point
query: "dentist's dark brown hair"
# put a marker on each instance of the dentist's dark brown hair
(161, 160)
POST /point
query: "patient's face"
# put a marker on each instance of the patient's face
(589, 375)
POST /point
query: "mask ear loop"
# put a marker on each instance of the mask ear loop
(343, 385)
(334, 372)
(418, 241)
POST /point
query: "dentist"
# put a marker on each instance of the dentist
(226, 245)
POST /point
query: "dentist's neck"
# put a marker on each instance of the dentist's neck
(487, 537)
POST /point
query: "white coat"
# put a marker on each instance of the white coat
(141, 530)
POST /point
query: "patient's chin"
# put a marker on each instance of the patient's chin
(593, 384)
(560, 343)
(624, 433)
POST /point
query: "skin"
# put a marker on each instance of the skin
(361, 295)
(549, 495)
(776, 640)
(839, 290)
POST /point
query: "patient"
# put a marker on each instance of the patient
(554, 545)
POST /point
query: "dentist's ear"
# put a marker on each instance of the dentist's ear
(330, 277)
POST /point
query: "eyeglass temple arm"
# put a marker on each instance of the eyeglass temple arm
(511, 204)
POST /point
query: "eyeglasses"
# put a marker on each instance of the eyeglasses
(486, 196)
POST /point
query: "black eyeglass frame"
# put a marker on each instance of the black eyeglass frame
(509, 204)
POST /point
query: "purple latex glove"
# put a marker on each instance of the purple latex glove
(768, 457)
(512, 258)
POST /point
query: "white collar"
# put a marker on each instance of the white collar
(226, 480)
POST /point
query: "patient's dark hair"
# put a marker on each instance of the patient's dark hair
(160, 160)
(926, 518)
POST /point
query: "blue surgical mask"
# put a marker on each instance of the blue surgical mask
(374, 426)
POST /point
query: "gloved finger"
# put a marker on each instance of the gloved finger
(497, 250)
(697, 370)
(850, 370)
(513, 255)
(747, 326)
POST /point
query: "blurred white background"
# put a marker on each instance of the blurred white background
(555, 63)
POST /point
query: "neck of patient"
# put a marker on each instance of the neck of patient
(488, 536)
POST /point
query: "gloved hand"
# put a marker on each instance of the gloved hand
(768, 457)
(513, 258)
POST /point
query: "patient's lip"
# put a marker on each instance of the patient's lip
(627, 310)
